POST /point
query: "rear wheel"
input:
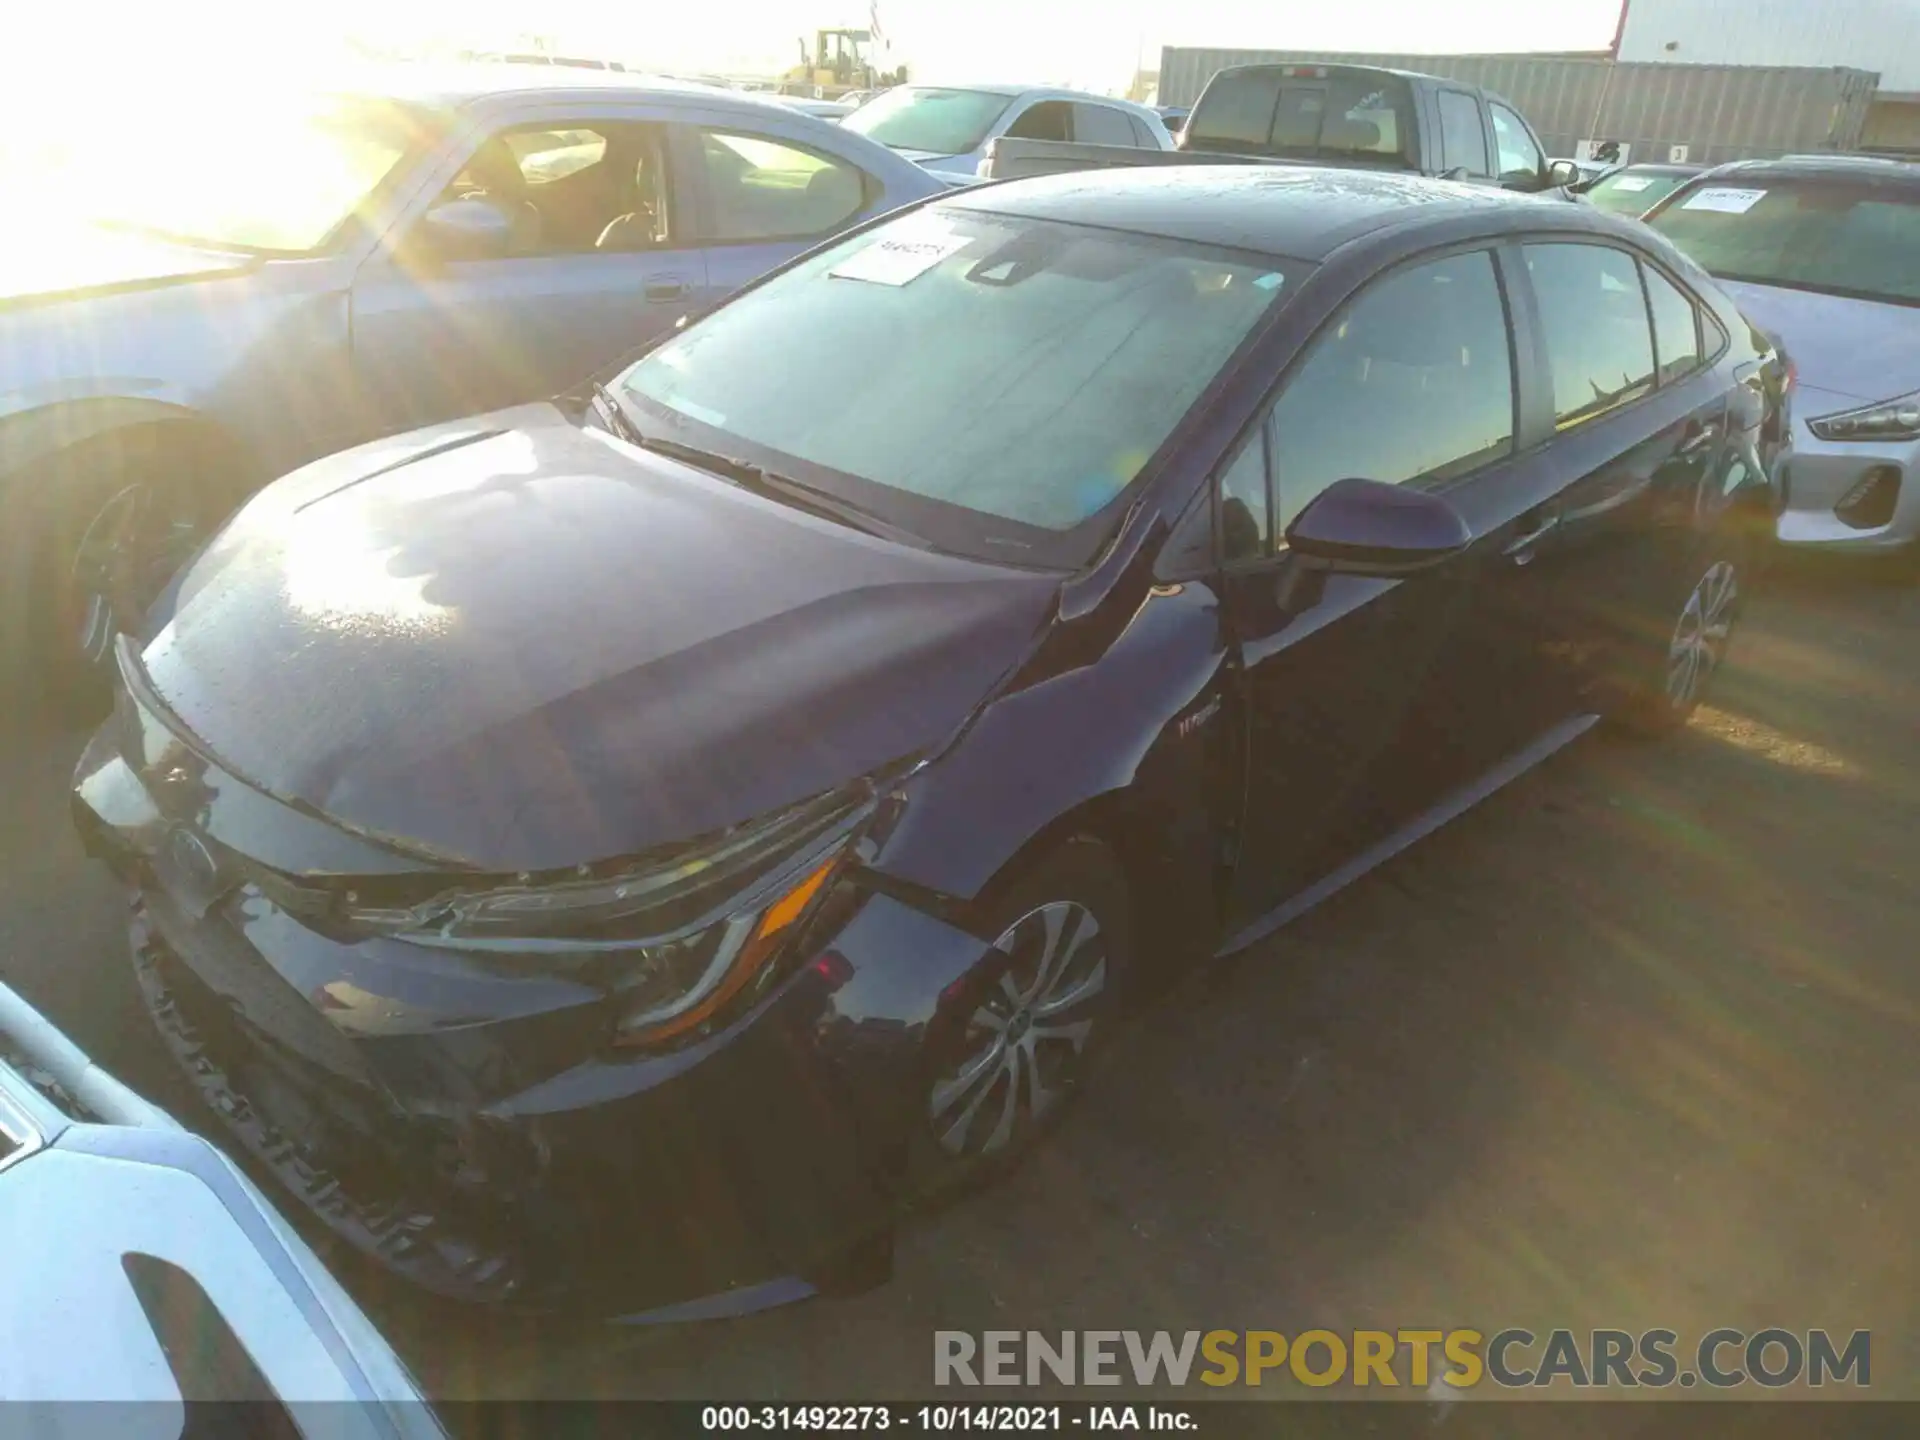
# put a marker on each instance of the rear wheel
(1030, 1021)
(1669, 687)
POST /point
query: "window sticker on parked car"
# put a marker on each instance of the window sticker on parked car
(1724, 199)
(901, 256)
(1632, 184)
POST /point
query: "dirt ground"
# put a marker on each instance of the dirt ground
(1633, 1045)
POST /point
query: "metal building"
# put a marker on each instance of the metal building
(1703, 113)
(1877, 35)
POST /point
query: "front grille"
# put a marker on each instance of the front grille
(354, 1162)
(1870, 503)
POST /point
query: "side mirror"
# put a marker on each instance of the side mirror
(1563, 172)
(1362, 527)
(473, 228)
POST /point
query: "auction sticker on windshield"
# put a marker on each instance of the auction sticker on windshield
(1631, 184)
(903, 255)
(1724, 199)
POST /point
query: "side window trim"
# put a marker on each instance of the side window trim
(1258, 432)
(1708, 332)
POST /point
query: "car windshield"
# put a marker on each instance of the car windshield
(1631, 192)
(940, 122)
(1840, 235)
(1302, 112)
(273, 175)
(990, 383)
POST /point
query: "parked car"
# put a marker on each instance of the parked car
(639, 837)
(1634, 189)
(454, 240)
(830, 110)
(948, 129)
(143, 1268)
(1352, 116)
(1820, 251)
(541, 57)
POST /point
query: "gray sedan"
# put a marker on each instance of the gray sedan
(246, 287)
(1823, 252)
(946, 128)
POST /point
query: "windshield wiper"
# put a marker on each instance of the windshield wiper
(616, 413)
(772, 485)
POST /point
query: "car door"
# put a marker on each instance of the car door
(1410, 383)
(761, 194)
(599, 261)
(1631, 425)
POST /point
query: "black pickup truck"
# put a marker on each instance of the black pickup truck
(1353, 116)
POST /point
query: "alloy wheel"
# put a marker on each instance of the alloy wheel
(1025, 1040)
(126, 555)
(1700, 635)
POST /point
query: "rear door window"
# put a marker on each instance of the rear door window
(1599, 345)
(1101, 125)
(1047, 120)
(1463, 137)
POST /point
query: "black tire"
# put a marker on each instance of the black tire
(966, 1133)
(146, 493)
(1661, 690)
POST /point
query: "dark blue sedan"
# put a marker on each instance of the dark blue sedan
(608, 852)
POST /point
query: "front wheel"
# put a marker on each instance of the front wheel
(120, 533)
(1026, 1027)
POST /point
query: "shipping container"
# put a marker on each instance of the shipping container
(1717, 112)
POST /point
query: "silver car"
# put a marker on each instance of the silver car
(946, 128)
(142, 1267)
(1823, 252)
(251, 280)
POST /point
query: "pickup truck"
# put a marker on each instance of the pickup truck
(1352, 116)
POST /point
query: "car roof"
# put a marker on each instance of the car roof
(1858, 167)
(1661, 167)
(1295, 212)
(454, 84)
(1045, 92)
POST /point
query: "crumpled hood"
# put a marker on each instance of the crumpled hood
(1856, 349)
(523, 645)
(85, 257)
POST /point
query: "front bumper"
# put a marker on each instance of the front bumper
(1819, 475)
(471, 1128)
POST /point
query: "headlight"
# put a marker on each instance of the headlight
(675, 941)
(1889, 420)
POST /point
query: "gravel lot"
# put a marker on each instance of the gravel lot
(1632, 1045)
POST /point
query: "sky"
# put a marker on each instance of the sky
(1095, 46)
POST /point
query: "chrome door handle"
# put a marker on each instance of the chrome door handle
(1704, 437)
(1521, 548)
(666, 289)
